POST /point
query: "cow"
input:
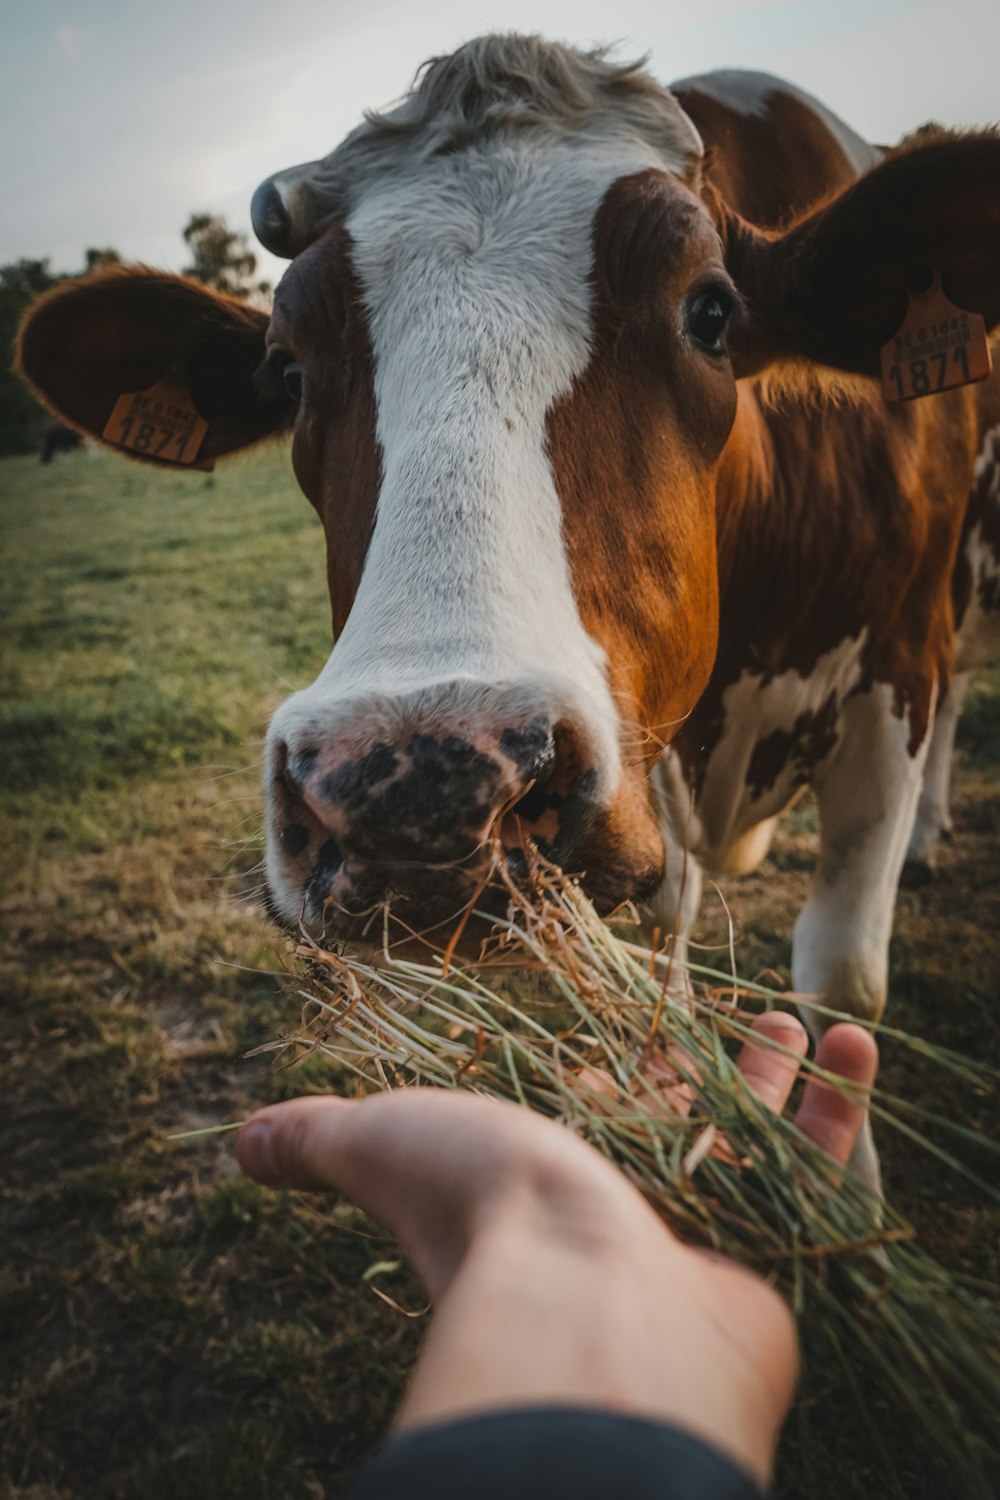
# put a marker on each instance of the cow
(625, 546)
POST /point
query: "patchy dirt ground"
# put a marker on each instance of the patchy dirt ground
(169, 1329)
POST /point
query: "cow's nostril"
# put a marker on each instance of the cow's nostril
(317, 888)
(293, 839)
(536, 816)
(557, 802)
(536, 801)
(531, 748)
(298, 768)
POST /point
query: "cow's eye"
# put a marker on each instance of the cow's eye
(291, 379)
(708, 312)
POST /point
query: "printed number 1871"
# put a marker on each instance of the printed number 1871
(928, 373)
(160, 422)
(149, 437)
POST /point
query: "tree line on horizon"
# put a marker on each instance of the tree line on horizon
(219, 256)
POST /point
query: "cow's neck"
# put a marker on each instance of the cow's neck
(824, 517)
(814, 500)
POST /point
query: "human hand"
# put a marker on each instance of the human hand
(554, 1281)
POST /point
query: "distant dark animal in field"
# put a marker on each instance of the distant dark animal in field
(57, 438)
(625, 545)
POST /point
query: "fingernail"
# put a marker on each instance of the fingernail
(257, 1151)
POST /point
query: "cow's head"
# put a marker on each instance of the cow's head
(508, 347)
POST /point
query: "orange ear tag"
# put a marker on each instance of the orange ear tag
(938, 346)
(159, 422)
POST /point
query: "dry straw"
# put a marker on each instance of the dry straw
(565, 1016)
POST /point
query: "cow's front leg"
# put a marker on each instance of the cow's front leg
(867, 797)
(674, 908)
(933, 819)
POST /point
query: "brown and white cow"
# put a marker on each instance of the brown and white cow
(624, 545)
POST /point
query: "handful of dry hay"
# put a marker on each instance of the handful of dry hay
(565, 1017)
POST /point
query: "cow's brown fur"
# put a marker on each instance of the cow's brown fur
(318, 313)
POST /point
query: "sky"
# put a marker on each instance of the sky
(118, 118)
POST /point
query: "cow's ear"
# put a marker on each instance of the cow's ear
(87, 343)
(835, 286)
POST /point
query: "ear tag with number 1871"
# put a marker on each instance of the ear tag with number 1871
(937, 347)
(159, 422)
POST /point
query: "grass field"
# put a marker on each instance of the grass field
(170, 1330)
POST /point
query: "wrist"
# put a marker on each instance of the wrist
(531, 1320)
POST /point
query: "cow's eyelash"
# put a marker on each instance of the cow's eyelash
(268, 380)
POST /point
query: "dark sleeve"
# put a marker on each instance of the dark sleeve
(546, 1453)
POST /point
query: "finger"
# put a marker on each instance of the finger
(298, 1144)
(767, 1071)
(599, 1081)
(388, 1151)
(662, 1085)
(832, 1115)
(671, 1081)
(388, 1154)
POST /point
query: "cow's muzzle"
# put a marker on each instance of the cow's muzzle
(419, 820)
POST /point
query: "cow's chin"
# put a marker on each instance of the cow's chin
(378, 910)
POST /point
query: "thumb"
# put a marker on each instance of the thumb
(418, 1160)
(302, 1143)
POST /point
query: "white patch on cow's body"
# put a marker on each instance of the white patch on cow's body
(476, 277)
(748, 93)
(702, 835)
(755, 707)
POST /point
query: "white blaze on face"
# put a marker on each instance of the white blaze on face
(476, 272)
